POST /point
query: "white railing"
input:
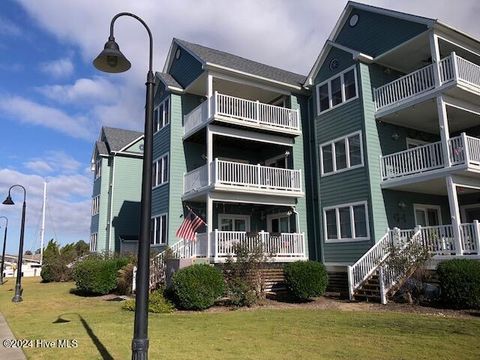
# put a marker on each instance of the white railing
(195, 118)
(256, 112)
(195, 179)
(278, 246)
(412, 161)
(473, 147)
(470, 237)
(456, 150)
(256, 176)
(439, 240)
(422, 80)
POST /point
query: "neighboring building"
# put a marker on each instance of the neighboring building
(117, 167)
(228, 145)
(395, 104)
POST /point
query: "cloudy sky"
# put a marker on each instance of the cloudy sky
(53, 102)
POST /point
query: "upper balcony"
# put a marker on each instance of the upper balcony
(245, 113)
(246, 178)
(455, 74)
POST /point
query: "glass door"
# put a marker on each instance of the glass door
(427, 215)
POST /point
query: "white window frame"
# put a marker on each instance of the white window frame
(342, 86)
(93, 242)
(162, 121)
(352, 223)
(156, 241)
(347, 154)
(95, 205)
(415, 142)
(278, 216)
(161, 161)
(98, 168)
(234, 217)
(426, 207)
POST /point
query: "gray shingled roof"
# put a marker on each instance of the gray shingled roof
(239, 63)
(116, 139)
(101, 148)
(168, 80)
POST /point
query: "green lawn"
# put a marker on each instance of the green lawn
(104, 331)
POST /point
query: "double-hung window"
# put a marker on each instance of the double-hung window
(341, 154)
(160, 171)
(98, 168)
(93, 242)
(95, 205)
(346, 222)
(337, 90)
(161, 115)
(158, 230)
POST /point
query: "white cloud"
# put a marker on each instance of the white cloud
(38, 166)
(26, 111)
(58, 68)
(58, 161)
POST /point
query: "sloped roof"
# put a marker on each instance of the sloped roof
(116, 139)
(220, 58)
(101, 148)
(168, 80)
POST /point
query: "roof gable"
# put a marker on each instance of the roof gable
(116, 139)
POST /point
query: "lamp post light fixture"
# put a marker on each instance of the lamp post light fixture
(8, 201)
(2, 267)
(111, 60)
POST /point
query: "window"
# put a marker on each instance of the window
(346, 222)
(161, 115)
(95, 205)
(231, 222)
(427, 215)
(98, 168)
(158, 230)
(278, 223)
(337, 90)
(93, 242)
(160, 171)
(341, 154)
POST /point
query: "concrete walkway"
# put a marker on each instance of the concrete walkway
(6, 351)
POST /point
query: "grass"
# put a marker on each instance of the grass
(104, 331)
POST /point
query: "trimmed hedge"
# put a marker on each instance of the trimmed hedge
(197, 287)
(460, 283)
(305, 279)
(96, 275)
(156, 304)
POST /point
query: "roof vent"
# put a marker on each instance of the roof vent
(353, 20)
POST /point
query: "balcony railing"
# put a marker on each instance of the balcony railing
(462, 150)
(420, 81)
(245, 177)
(245, 111)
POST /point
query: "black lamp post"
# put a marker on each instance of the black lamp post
(113, 61)
(8, 201)
(3, 251)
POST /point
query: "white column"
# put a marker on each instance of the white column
(209, 94)
(454, 214)
(435, 53)
(444, 130)
(209, 225)
(209, 155)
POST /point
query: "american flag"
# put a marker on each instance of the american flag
(189, 225)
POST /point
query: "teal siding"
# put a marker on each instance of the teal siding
(344, 59)
(185, 69)
(388, 143)
(161, 145)
(103, 184)
(376, 33)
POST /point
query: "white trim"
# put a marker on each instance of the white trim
(425, 207)
(94, 242)
(416, 142)
(342, 87)
(347, 154)
(95, 205)
(128, 145)
(234, 217)
(463, 213)
(158, 126)
(278, 216)
(250, 135)
(153, 217)
(352, 223)
(241, 81)
(156, 184)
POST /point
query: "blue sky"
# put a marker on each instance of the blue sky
(53, 102)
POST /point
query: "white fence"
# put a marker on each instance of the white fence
(195, 118)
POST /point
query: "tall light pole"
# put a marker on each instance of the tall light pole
(113, 61)
(8, 201)
(3, 251)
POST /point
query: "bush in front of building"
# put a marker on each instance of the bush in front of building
(305, 279)
(97, 275)
(197, 287)
(156, 303)
(460, 283)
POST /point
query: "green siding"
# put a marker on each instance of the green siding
(103, 187)
(345, 60)
(376, 33)
(185, 69)
(161, 146)
(390, 145)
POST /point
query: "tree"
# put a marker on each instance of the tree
(28, 252)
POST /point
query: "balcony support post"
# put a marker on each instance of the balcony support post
(444, 130)
(435, 53)
(209, 155)
(209, 225)
(210, 95)
(454, 214)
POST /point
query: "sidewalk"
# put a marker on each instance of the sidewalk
(8, 352)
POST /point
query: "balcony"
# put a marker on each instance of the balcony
(233, 176)
(242, 112)
(452, 70)
(463, 153)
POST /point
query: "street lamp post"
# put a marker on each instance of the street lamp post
(8, 201)
(2, 268)
(113, 61)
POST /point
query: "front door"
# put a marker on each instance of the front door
(427, 215)
(278, 223)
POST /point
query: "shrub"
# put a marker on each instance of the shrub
(56, 270)
(460, 283)
(197, 287)
(156, 304)
(96, 275)
(306, 279)
(125, 279)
